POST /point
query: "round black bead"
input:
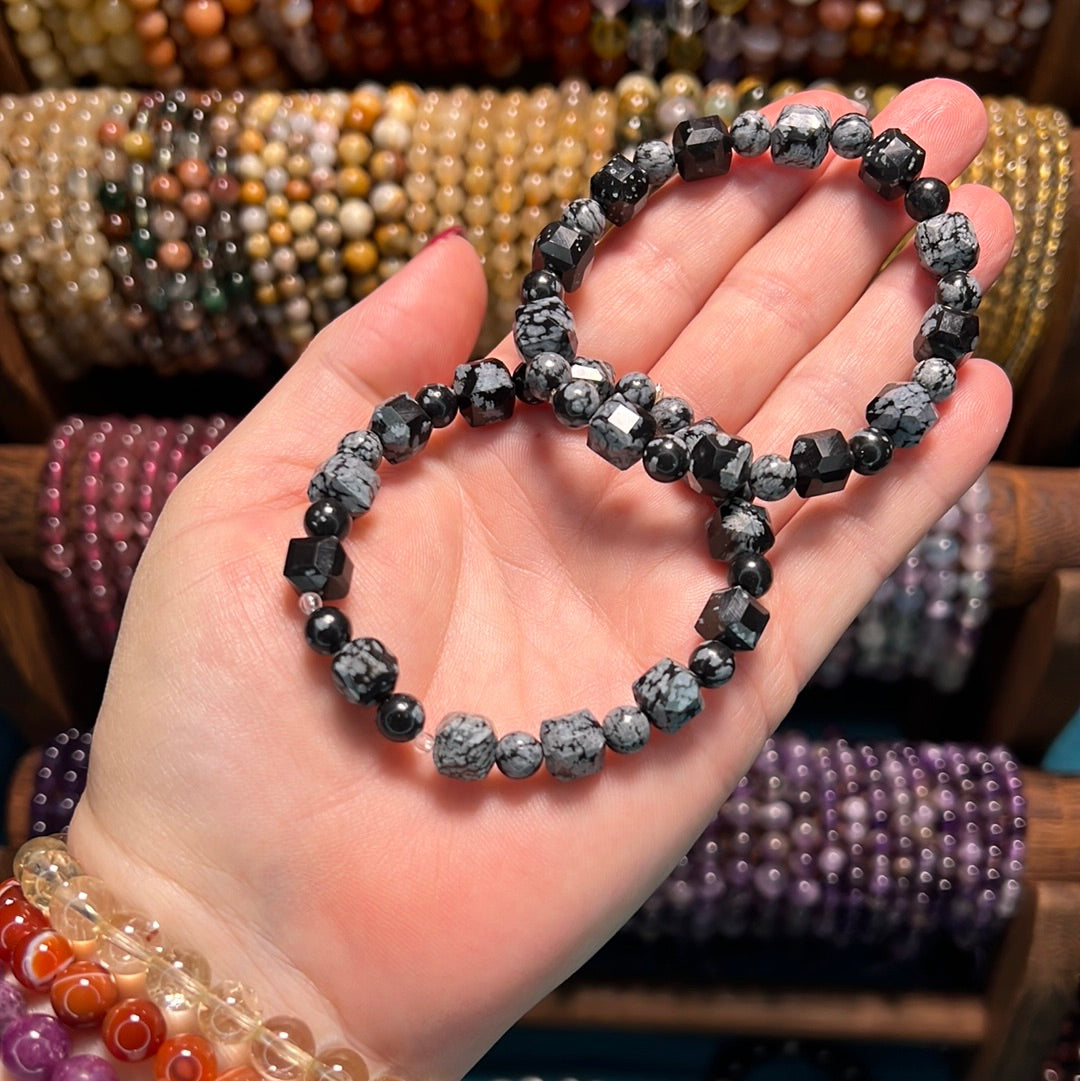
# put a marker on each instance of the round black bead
(712, 663)
(871, 450)
(638, 388)
(539, 284)
(327, 518)
(542, 375)
(575, 402)
(327, 630)
(926, 198)
(439, 402)
(750, 571)
(521, 386)
(671, 414)
(400, 717)
(666, 458)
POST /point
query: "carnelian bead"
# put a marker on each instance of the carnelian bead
(82, 994)
(570, 17)
(185, 1058)
(17, 920)
(204, 18)
(39, 957)
(133, 1030)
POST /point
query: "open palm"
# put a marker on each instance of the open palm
(517, 575)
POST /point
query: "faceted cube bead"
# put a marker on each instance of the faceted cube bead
(586, 216)
(669, 695)
(800, 137)
(946, 243)
(402, 426)
(822, 462)
(518, 755)
(733, 617)
(891, 163)
(619, 432)
(363, 444)
(485, 392)
(573, 745)
(598, 372)
(564, 251)
(702, 147)
(851, 135)
(464, 747)
(364, 671)
(318, 565)
(947, 333)
(545, 326)
(904, 412)
(739, 526)
(750, 133)
(626, 730)
(693, 432)
(620, 188)
(348, 480)
(719, 464)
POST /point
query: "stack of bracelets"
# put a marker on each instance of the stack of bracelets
(271, 43)
(629, 422)
(103, 967)
(189, 231)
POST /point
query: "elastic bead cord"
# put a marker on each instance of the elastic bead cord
(627, 421)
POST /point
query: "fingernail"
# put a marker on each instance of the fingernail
(454, 230)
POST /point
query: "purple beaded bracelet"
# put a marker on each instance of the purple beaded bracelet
(628, 421)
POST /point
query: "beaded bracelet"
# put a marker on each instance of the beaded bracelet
(629, 422)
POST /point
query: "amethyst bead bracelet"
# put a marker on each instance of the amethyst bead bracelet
(627, 421)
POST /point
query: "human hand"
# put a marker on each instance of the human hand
(262, 819)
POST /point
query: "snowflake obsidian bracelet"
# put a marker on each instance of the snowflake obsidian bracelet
(628, 421)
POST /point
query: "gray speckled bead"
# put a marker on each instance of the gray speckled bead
(656, 160)
(733, 617)
(638, 388)
(772, 477)
(626, 730)
(750, 133)
(544, 373)
(693, 432)
(545, 326)
(518, 755)
(937, 377)
(800, 137)
(739, 526)
(484, 391)
(365, 445)
(946, 243)
(959, 290)
(619, 431)
(587, 216)
(464, 747)
(851, 135)
(573, 745)
(348, 479)
(669, 695)
(364, 671)
(402, 426)
(904, 412)
(672, 415)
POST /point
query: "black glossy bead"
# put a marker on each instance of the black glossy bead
(959, 290)
(575, 402)
(402, 426)
(327, 630)
(564, 251)
(891, 163)
(850, 135)
(439, 402)
(400, 717)
(720, 464)
(521, 385)
(327, 518)
(712, 663)
(871, 451)
(666, 458)
(822, 462)
(619, 431)
(620, 188)
(702, 148)
(638, 388)
(946, 333)
(739, 526)
(538, 284)
(485, 391)
(733, 617)
(926, 198)
(364, 671)
(750, 571)
(318, 565)
(672, 415)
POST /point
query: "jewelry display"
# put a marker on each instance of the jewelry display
(629, 422)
